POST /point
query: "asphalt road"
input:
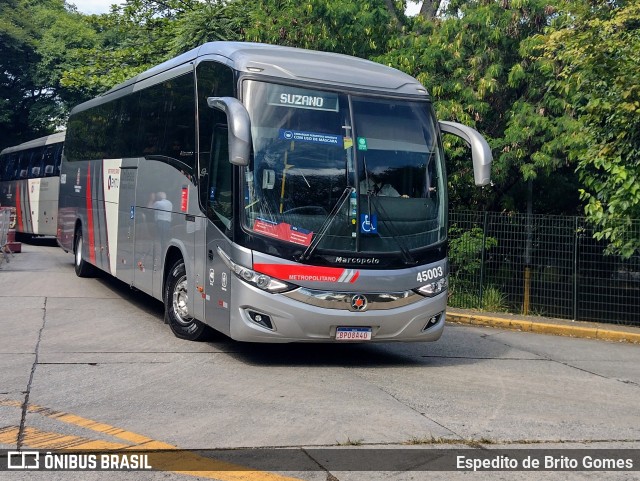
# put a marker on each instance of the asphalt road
(89, 364)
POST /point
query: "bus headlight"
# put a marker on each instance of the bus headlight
(261, 281)
(433, 288)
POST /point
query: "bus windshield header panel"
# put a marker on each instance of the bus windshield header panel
(342, 174)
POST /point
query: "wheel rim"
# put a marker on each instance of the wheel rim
(79, 251)
(180, 301)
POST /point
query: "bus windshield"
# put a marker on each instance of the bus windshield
(343, 173)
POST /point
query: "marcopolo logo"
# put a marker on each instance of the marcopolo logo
(358, 302)
(357, 260)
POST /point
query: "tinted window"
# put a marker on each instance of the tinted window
(51, 160)
(157, 121)
(167, 121)
(7, 166)
(214, 80)
(24, 159)
(35, 166)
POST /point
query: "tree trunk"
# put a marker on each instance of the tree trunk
(392, 11)
(429, 9)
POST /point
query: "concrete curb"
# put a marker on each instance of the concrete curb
(587, 330)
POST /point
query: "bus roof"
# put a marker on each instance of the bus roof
(295, 64)
(46, 140)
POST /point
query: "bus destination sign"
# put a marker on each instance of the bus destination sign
(303, 99)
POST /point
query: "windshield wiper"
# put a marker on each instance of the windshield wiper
(306, 255)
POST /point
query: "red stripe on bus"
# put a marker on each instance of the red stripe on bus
(92, 250)
(19, 225)
(288, 272)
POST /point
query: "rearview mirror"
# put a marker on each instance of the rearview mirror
(239, 128)
(480, 151)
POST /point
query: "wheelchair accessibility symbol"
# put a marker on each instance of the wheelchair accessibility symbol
(368, 225)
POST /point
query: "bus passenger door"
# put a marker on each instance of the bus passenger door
(126, 223)
(219, 209)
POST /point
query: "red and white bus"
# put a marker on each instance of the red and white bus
(29, 181)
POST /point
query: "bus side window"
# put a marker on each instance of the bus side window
(35, 167)
(220, 203)
(6, 167)
(12, 166)
(48, 160)
(24, 158)
(167, 122)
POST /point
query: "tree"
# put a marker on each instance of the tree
(360, 28)
(471, 59)
(28, 105)
(594, 53)
(213, 20)
(129, 39)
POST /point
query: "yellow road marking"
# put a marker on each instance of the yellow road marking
(35, 438)
(171, 458)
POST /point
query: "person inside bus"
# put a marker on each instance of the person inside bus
(162, 214)
(373, 185)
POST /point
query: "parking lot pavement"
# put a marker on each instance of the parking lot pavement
(90, 363)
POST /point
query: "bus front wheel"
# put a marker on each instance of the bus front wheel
(176, 305)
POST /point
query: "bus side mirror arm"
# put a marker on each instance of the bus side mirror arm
(239, 128)
(480, 150)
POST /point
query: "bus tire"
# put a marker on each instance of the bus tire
(176, 310)
(82, 267)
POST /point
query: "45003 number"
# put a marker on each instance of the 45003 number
(430, 274)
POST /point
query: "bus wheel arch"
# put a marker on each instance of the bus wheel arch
(175, 294)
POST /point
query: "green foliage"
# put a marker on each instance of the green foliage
(465, 249)
(466, 297)
(128, 41)
(494, 300)
(595, 53)
(474, 62)
(213, 20)
(26, 102)
(354, 27)
(465, 255)
(462, 298)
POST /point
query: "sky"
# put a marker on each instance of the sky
(103, 6)
(94, 6)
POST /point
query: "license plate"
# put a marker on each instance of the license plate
(353, 334)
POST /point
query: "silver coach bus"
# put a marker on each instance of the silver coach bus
(29, 180)
(273, 194)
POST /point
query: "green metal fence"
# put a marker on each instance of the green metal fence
(540, 265)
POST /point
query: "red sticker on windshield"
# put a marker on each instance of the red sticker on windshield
(283, 231)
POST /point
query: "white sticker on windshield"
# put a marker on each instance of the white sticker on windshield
(314, 137)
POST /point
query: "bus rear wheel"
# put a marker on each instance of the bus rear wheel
(176, 306)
